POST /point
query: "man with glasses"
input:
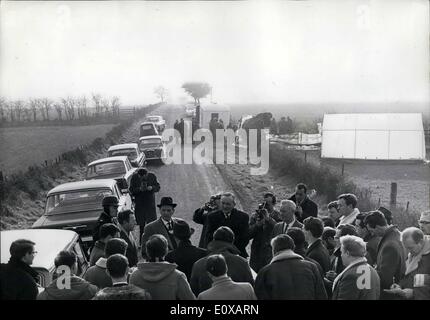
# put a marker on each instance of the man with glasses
(18, 281)
(424, 222)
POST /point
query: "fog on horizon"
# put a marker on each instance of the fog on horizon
(277, 52)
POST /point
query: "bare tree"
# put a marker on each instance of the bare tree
(84, 108)
(65, 105)
(59, 110)
(19, 106)
(161, 93)
(33, 104)
(105, 106)
(97, 103)
(27, 113)
(2, 109)
(11, 110)
(47, 106)
(115, 104)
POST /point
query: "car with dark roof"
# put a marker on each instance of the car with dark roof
(153, 147)
(77, 206)
(118, 167)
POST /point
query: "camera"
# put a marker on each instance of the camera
(261, 211)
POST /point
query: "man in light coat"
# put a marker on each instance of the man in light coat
(287, 213)
(359, 280)
(223, 288)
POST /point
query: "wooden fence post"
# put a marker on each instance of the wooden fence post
(379, 202)
(393, 195)
(407, 206)
(343, 168)
(306, 156)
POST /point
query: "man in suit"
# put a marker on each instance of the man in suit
(223, 288)
(185, 255)
(143, 186)
(127, 223)
(305, 206)
(391, 256)
(230, 217)
(359, 280)
(313, 228)
(164, 225)
(287, 211)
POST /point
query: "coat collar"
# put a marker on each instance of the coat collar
(317, 243)
(285, 255)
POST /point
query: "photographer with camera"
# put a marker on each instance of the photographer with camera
(261, 226)
(200, 216)
(143, 186)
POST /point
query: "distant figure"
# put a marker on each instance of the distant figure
(79, 288)
(117, 268)
(223, 288)
(18, 279)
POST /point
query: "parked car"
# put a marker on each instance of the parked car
(148, 129)
(49, 243)
(153, 147)
(159, 122)
(131, 150)
(77, 206)
(110, 168)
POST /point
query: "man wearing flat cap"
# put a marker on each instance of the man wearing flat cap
(185, 255)
(164, 225)
(424, 222)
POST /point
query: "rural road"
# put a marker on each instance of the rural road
(190, 185)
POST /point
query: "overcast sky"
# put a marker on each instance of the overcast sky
(249, 51)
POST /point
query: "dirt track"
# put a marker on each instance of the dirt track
(190, 185)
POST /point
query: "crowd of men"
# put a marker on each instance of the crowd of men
(294, 253)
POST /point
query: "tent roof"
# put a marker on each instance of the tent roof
(373, 121)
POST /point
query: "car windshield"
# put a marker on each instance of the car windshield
(74, 201)
(106, 168)
(146, 127)
(130, 153)
(153, 119)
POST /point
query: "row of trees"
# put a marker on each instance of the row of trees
(70, 108)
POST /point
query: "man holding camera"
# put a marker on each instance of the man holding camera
(143, 186)
(200, 216)
(261, 226)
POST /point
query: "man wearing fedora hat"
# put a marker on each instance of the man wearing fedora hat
(164, 225)
(185, 255)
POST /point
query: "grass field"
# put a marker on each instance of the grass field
(26, 146)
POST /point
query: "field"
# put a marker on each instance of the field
(25, 146)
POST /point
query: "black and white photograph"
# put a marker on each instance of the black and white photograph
(232, 152)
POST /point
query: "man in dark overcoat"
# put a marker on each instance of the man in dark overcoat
(143, 186)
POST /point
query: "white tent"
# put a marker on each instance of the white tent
(214, 110)
(373, 136)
